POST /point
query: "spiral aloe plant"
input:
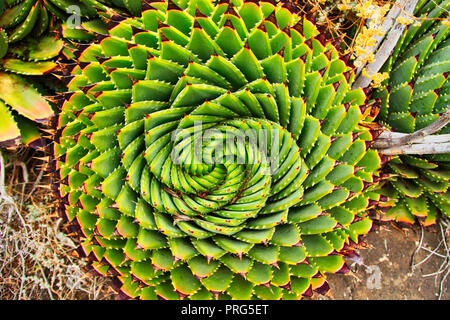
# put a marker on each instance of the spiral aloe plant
(215, 151)
(413, 98)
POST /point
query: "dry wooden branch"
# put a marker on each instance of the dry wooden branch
(388, 22)
(384, 140)
(406, 7)
(419, 142)
(418, 148)
(388, 135)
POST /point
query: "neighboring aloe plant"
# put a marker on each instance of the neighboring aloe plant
(215, 228)
(32, 57)
(33, 18)
(20, 106)
(415, 95)
(132, 6)
(27, 48)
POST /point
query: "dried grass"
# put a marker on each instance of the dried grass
(443, 272)
(37, 259)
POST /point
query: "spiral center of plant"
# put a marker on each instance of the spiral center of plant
(221, 171)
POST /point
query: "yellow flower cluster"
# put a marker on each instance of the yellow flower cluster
(345, 5)
(366, 37)
(374, 13)
(376, 78)
(367, 9)
(405, 20)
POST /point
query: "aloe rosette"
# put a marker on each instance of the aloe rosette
(22, 104)
(33, 18)
(22, 19)
(25, 26)
(28, 49)
(415, 95)
(267, 224)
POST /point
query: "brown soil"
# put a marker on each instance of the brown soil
(386, 273)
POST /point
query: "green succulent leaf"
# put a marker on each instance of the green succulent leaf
(23, 98)
(9, 132)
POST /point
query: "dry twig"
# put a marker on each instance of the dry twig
(419, 142)
(442, 273)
